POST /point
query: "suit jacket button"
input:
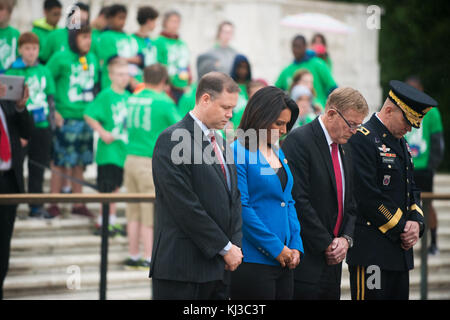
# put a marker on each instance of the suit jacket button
(368, 223)
(283, 204)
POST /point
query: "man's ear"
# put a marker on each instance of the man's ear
(205, 98)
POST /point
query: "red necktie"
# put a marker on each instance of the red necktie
(5, 149)
(216, 151)
(338, 176)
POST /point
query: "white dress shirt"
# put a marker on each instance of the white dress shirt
(329, 142)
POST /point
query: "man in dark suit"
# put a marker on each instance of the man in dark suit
(15, 123)
(389, 217)
(323, 192)
(198, 221)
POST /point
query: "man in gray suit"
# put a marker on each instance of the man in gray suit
(198, 221)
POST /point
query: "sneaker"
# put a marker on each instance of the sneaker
(433, 249)
(111, 232)
(83, 211)
(54, 210)
(145, 264)
(40, 213)
(119, 230)
(140, 264)
(132, 264)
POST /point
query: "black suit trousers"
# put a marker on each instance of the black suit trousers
(8, 184)
(180, 290)
(327, 288)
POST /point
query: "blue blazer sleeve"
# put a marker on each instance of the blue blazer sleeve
(254, 230)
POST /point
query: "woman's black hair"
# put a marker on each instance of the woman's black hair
(73, 34)
(264, 108)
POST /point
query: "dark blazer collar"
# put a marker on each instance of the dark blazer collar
(324, 148)
(199, 137)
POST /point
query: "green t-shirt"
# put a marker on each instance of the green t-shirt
(110, 109)
(113, 43)
(323, 80)
(149, 52)
(187, 100)
(238, 111)
(174, 54)
(149, 113)
(419, 140)
(42, 29)
(57, 40)
(9, 39)
(74, 82)
(40, 85)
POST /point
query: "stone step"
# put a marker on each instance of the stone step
(41, 264)
(113, 293)
(69, 283)
(57, 227)
(72, 244)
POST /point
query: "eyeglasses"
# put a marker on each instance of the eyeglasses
(351, 126)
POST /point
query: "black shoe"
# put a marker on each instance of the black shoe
(433, 249)
(40, 213)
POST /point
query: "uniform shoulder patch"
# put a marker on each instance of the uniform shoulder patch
(364, 131)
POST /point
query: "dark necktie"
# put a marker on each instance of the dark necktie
(338, 176)
(5, 149)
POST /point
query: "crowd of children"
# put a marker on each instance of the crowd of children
(93, 77)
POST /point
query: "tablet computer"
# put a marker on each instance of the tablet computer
(14, 87)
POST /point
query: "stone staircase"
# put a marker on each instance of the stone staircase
(60, 258)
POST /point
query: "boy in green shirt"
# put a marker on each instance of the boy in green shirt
(57, 40)
(9, 36)
(174, 54)
(107, 116)
(75, 72)
(146, 19)
(43, 26)
(323, 80)
(115, 42)
(150, 111)
(41, 90)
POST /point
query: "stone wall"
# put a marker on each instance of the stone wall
(259, 34)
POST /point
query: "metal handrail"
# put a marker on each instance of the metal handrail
(106, 198)
(103, 198)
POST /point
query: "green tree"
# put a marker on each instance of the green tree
(415, 40)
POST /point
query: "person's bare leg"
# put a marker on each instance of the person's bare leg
(77, 173)
(147, 239)
(133, 233)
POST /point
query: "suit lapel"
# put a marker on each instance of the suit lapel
(206, 154)
(324, 150)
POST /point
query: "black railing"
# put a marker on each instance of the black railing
(106, 198)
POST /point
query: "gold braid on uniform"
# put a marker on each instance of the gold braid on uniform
(392, 221)
(417, 208)
(413, 116)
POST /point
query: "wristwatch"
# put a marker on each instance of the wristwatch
(349, 240)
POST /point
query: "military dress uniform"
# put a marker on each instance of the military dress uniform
(386, 198)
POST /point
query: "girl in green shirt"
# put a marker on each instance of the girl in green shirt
(8, 37)
(75, 72)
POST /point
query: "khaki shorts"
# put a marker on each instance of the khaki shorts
(138, 178)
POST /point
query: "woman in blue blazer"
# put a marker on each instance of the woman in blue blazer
(271, 241)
